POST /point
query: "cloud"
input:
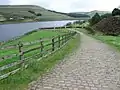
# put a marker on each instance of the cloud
(71, 5)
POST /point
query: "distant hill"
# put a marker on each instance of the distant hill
(75, 15)
(92, 13)
(18, 10)
(31, 12)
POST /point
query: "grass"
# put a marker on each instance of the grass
(31, 36)
(35, 69)
(82, 30)
(44, 34)
(36, 36)
(111, 40)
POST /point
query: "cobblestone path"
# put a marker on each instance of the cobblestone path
(94, 66)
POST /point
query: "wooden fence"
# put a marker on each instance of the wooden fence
(20, 60)
(27, 43)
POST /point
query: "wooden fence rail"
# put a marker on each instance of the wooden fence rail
(25, 44)
(28, 43)
(44, 49)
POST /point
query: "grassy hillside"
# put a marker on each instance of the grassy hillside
(74, 15)
(22, 11)
(92, 13)
(19, 11)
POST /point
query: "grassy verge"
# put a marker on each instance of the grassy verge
(82, 30)
(114, 41)
(21, 80)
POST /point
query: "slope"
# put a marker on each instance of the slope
(22, 11)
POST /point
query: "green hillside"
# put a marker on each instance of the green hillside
(92, 13)
(18, 12)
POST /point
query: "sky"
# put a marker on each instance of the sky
(68, 5)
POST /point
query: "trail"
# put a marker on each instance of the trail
(94, 66)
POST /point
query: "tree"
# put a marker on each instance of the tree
(38, 14)
(115, 12)
(106, 15)
(77, 15)
(95, 19)
(32, 12)
(68, 24)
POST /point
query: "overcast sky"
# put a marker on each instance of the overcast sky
(69, 5)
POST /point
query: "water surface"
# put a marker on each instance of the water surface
(9, 31)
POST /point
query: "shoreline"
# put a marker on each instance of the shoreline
(5, 23)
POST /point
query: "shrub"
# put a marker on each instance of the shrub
(115, 12)
(38, 14)
(95, 19)
(31, 11)
(109, 26)
(106, 15)
(90, 30)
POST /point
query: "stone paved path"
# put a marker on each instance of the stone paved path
(94, 66)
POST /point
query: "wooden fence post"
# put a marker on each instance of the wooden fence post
(65, 38)
(53, 44)
(41, 49)
(59, 41)
(62, 39)
(70, 35)
(20, 45)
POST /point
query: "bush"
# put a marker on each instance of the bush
(95, 19)
(90, 30)
(109, 26)
(115, 12)
(106, 15)
(38, 14)
(31, 11)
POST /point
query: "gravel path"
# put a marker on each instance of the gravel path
(94, 66)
